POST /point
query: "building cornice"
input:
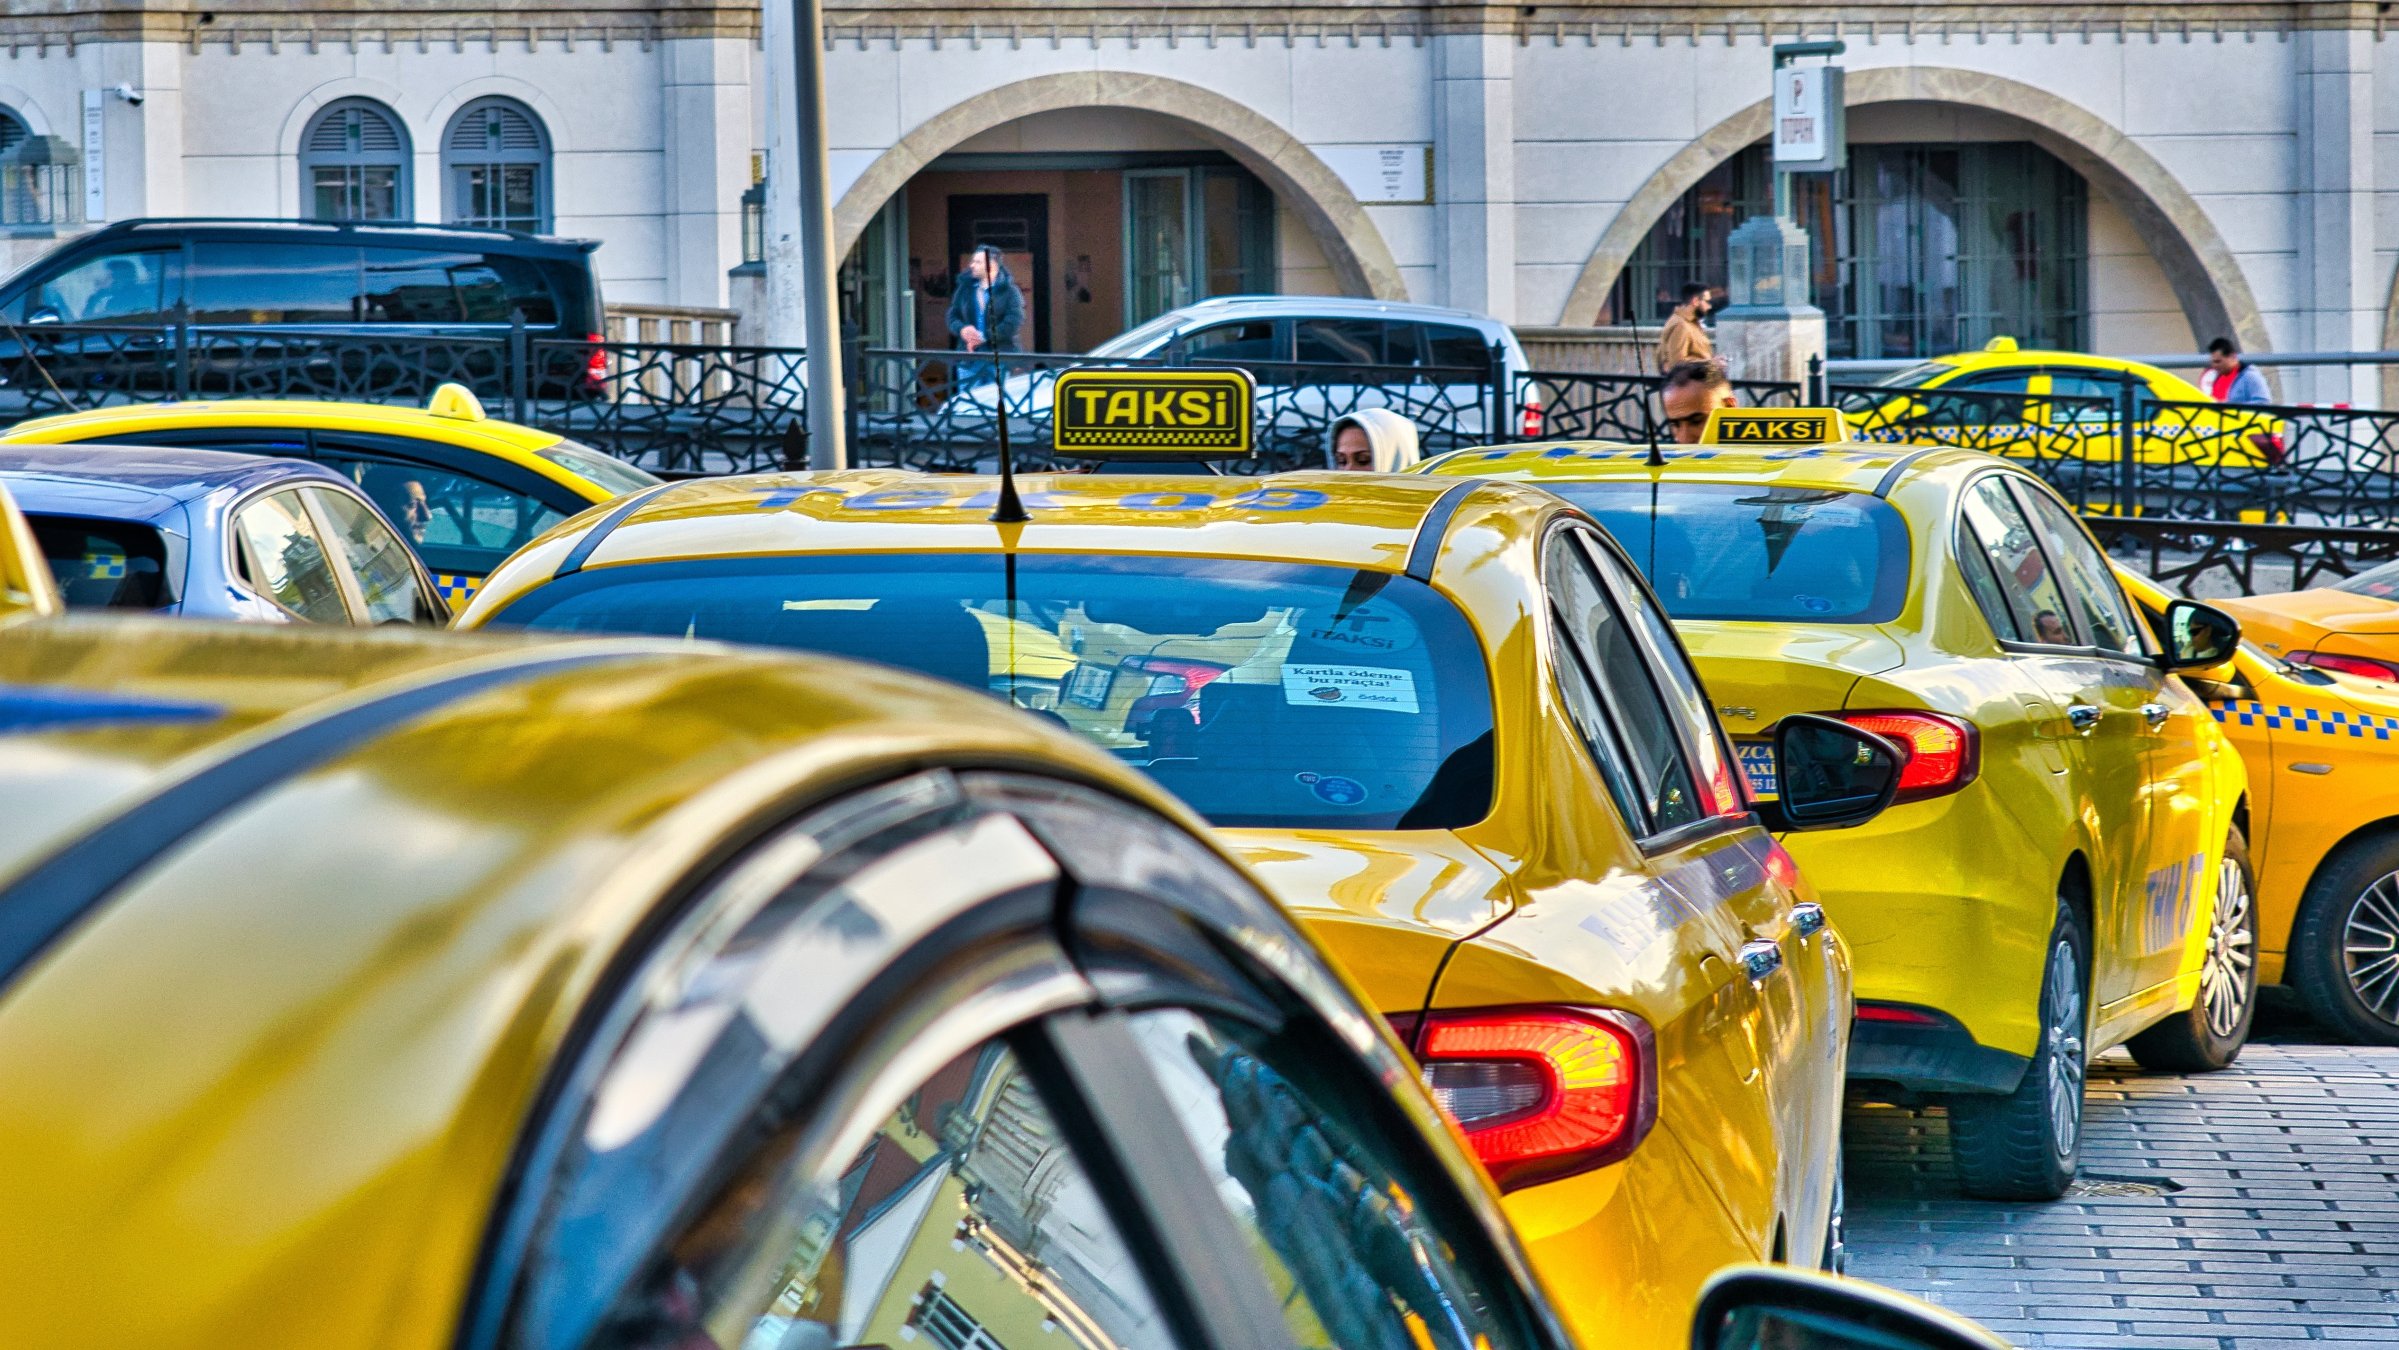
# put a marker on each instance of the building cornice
(268, 24)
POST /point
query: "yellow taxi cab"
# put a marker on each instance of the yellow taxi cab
(2350, 626)
(468, 489)
(2015, 416)
(2064, 865)
(1445, 723)
(399, 990)
(2323, 756)
(27, 588)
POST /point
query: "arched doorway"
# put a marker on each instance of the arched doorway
(2197, 268)
(1115, 197)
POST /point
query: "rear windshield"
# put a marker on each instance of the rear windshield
(1735, 551)
(2382, 583)
(1263, 694)
(104, 564)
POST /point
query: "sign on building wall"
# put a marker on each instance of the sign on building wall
(95, 156)
(1808, 119)
(1384, 175)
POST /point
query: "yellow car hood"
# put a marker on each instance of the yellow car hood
(1759, 672)
(1387, 904)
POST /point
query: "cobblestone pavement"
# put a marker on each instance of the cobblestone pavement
(2251, 1208)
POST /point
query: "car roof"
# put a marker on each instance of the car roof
(1331, 306)
(1314, 517)
(289, 414)
(416, 927)
(136, 482)
(397, 230)
(1850, 466)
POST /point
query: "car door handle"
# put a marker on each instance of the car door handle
(1807, 918)
(2155, 714)
(1761, 958)
(2083, 716)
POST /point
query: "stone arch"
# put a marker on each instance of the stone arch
(1352, 245)
(2207, 279)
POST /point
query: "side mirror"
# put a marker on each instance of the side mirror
(1828, 775)
(1779, 1308)
(45, 314)
(2198, 636)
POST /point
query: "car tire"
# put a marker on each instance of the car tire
(2026, 1145)
(2209, 1034)
(2345, 945)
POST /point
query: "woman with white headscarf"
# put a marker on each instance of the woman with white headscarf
(1372, 440)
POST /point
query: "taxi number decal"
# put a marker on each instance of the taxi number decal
(1757, 766)
(1350, 687)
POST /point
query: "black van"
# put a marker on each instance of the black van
(293, 307)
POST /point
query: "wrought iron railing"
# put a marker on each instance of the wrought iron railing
(1604, 406)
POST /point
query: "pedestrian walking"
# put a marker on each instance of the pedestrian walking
(1684, 340)
(2232, 380)
(986, 312)
(1372, 440)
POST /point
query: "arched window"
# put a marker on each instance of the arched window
(13, 128)
(354, 163)
(495, 162)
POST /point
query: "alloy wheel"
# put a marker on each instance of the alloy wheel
(2065, 1033)
(2224, 983)
(2370, 947)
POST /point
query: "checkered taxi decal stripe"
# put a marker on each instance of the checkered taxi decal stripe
(454, 588)
(2283, 716)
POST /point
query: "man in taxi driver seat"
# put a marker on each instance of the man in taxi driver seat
(1691, 391)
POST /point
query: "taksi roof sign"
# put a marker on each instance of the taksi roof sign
(1153, 414)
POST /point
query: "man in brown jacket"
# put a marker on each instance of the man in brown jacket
(1684, 340)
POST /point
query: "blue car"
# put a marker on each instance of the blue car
(213, 535)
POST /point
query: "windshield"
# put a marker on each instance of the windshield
(1132, 340)
(2382, 583)
(612, 474)
(1737, 551)
(1922, 373)
(1264, 694)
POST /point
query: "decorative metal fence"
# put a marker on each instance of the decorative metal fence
(1601, 406)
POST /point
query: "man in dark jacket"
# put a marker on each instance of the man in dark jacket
(986, 309)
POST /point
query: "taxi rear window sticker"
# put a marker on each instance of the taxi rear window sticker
(1087, 685)
(1333, 789)
(1350, 687)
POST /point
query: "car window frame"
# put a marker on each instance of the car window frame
(1646, 833)
(237, 548)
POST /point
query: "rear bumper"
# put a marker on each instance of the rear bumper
(1933, 1055)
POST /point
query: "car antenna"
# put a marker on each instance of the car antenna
(1011, 508)
(1657, 459)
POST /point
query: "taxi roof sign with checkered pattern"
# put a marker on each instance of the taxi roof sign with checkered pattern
(1154, 414)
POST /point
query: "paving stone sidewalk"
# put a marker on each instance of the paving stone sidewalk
(2243, 1210)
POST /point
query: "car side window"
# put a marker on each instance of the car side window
(2107, 621)
(1681, 683)
(282, 557)
(1245, 340)
(1341, 342)
(386, 571)
(1599, 636)
(131, 288)
(1455, 348)
(967, 1221)
(1992, 522)
(1975, 565)
(455, 523)
(1334, 1222)
(236, 282)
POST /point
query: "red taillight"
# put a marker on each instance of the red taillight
(1174, 683)
(1896, 1015)
(595, 366)
(1944, 753)
(2365, 667)
(1542, 1093)
(1533, 419)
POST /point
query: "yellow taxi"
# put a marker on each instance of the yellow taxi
(467, 488)
(2350, 626)
(402, 990)
(1445, 723)
(2323, 757)
(2014, 414)
(27, 588)
(2064, 866)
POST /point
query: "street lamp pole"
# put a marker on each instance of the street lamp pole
(821, 305)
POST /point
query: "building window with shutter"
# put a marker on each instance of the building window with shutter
(354, 163)
(496, 167)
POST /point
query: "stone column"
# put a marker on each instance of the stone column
(707, 161)
(2340, 303)
(1474, 168)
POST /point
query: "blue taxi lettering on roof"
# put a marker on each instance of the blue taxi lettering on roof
(1167, 501)
(1280, 499)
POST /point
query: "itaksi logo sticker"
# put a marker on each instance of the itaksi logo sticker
(1351, 687)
